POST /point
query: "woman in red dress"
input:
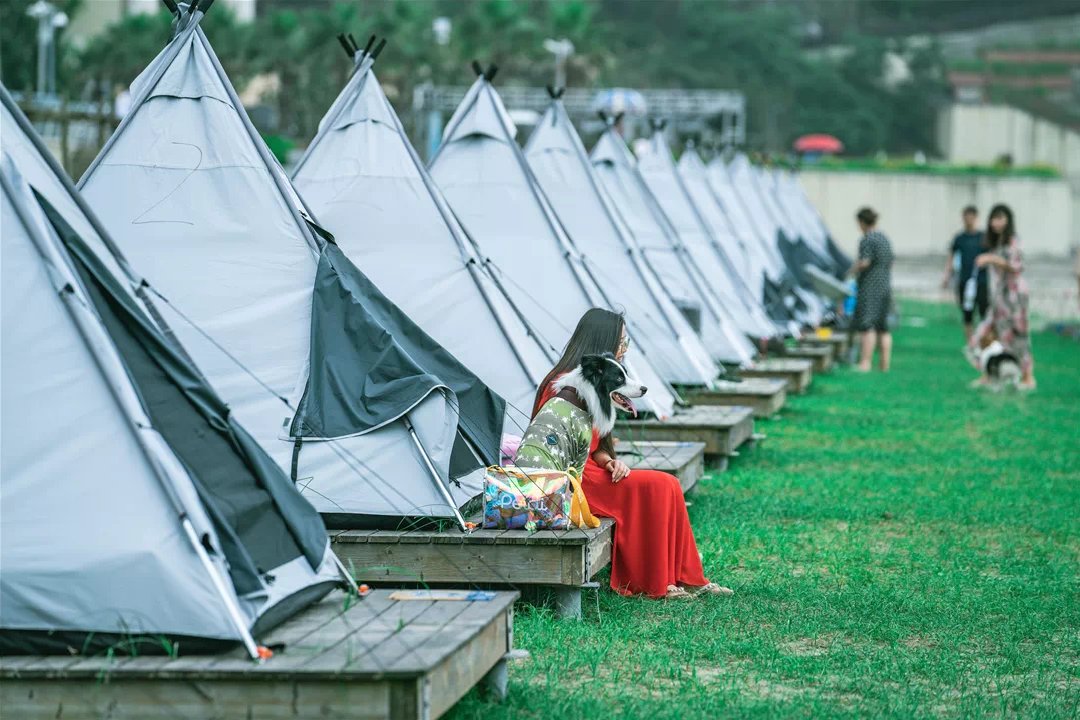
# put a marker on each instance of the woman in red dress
(654, 552)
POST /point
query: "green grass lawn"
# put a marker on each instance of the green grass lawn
(900, 546)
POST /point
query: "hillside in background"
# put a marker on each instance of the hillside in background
(758, 48)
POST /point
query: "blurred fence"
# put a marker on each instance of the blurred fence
(1054, 295)
(73, 131)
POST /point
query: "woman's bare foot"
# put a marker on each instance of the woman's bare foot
(674, 592)
(1026, 385)
(710, 589)
(979, 382)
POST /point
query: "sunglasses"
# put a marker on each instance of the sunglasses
(624, 343)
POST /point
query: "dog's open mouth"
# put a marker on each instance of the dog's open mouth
(624, 403)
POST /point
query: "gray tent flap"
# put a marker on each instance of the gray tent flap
(363, 375)
(360, 378)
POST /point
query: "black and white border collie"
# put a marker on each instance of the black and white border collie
(603, 384)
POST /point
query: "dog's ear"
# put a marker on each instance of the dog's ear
(592, 368)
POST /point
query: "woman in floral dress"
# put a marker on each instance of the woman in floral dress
(1008, 318)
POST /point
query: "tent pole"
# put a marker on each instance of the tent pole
(434, 473)
(219, 585)
(345, 574)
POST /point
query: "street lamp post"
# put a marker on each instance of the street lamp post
(441, 29)
(50, 19)
(562, 50)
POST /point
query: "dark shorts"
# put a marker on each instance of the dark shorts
(982, 303)
(877, 323)
(873, 313)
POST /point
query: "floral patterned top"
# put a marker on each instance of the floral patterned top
(1008, 317)
(558, 438)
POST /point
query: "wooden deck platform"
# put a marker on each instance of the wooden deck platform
(839, 342)
(722, 428)
(820, 356)
(563, 560)
(372, 658)
(765, 395)
(684, 460)
(798, 372)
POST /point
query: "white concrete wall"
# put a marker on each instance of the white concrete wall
(921, 213)
(982, 133)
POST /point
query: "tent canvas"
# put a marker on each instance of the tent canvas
(816, 228)
(493, 192)
(758, 258)
(561, 165)
(617, 171)
(216, 544)
(372, 419)
(717, 246)
(694, 175)
(789, 243)
(798, 243)
(800, 304)
(729, 185)
(363, 178)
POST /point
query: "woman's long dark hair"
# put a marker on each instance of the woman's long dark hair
(598, 331)
(993, 239)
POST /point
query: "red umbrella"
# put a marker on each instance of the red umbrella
(818, 144)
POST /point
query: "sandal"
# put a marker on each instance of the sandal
(674, 592)
(710, 589)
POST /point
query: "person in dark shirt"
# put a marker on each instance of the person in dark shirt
(966, 246)
(873, 295)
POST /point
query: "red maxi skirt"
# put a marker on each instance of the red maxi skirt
(654, 545)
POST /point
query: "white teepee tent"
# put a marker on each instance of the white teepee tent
(341, 388)
(706, 237)
(152, 484)
(660, 244)
(495, 195)
(562, 168)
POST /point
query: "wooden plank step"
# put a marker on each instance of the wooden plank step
(822, 357)
(482, 557)
(797, 371)
(839, 341)
(766, 395)
(684, 460)
(370, 659)
(722, 428)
